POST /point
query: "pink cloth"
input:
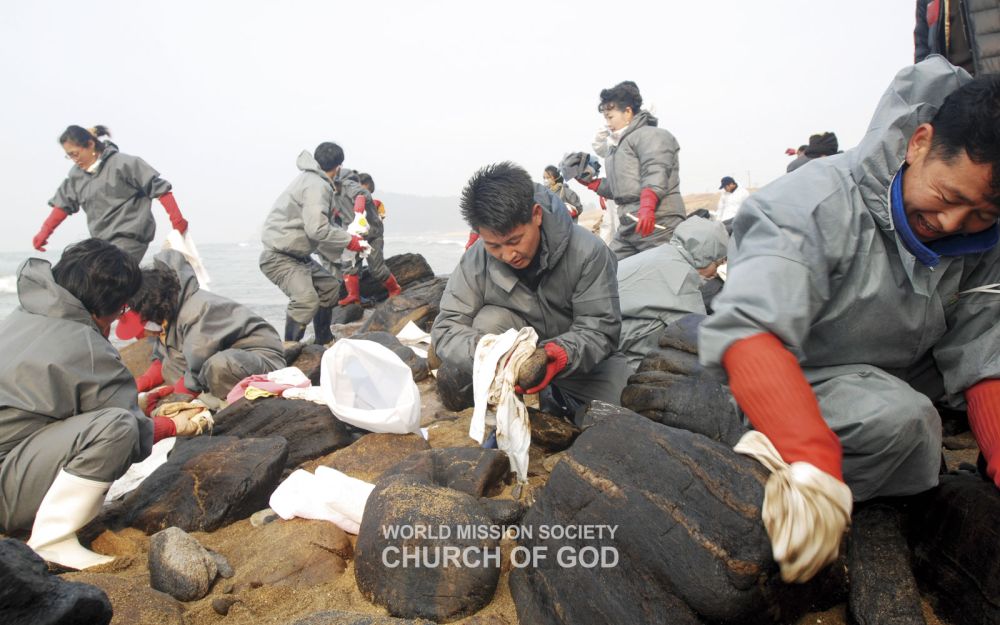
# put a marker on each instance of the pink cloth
(263, 383)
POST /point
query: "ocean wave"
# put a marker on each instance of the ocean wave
(8, 284)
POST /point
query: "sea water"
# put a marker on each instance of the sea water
(234, 273)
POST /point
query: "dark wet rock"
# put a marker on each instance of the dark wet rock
(339, 617)
(883, 589)
(472, 470)
(671, 387)
(419, 303)
(135, 603)
(292, 350)
(503, 511)
(206, 483)
(416, 364)
(368, 457)
(550, 433)
(180, 566)
(347, 314)
(432, 590)
(690, 544)
(309, 360)
(29, 595)
(410, 271)
(310, 553)
(221, 605)
(310, 428)
(956, 551)
(454, 387)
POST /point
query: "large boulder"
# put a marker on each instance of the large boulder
(417, 365)
(409, 269)
(206, 483)
(29, 595)
(471, 470)
(370, 456)
(419, 303)
(688, 545)
(339, 617)
(310, 429)
(956, 548)
(135, 603)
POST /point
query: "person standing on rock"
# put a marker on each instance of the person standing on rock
(115, 190)
(208, 343)
(300, 224)
(863, 289)
(531, 267)
(69, 420)
(353, 197)
(643, 177)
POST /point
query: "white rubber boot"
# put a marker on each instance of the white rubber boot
(69, 505)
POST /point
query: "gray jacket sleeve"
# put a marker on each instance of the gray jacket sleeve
(597, 317)
(967, 353)
(778, 279)
(104, 382)
(65, 198)
(657, 154)
(143, 177)
(316, 220)
(453, 336)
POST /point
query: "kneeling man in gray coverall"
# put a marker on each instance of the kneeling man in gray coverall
(531, 267)
(69, 421)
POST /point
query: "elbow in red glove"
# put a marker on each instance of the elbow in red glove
(177, 220)
(556, 361)
(355, 244)
(183, 390)
(983, 399)
(152, 378)
(359, 203)
(49, 226)
(647, 212)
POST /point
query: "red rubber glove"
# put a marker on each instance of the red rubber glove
(647, 212)
(355, 244)
(152, 378)
(180, 388)
(572, 212)
(359, 203)
(984, 419)
(769, 386)
(154, 396)
(49, 226)
(557, 360)
(473, 237)
(176, 219)
(592, 185)
(163, 427)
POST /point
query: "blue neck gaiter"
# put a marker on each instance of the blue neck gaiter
(929, 254)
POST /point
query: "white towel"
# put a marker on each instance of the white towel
(184, 244)
(329, 495)
(494, 375)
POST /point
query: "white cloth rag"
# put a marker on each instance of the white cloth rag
(184, 244)
(494, 374)
(327, 495)
(416, 339)
(310, 393)
(805, 510)
(141, 470)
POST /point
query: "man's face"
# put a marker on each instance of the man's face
(518, 247)
(941, 198)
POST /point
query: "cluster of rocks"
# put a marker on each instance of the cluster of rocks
(681, 538)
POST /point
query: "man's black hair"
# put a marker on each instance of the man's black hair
(99, 274)
(328, 155)
(969, 119)
(498, 197)
(157, 300)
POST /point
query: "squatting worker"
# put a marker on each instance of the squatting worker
(850, 305)
(302, 222)
(115, 190)
(643, 172)
(531, 267)
(69, 419)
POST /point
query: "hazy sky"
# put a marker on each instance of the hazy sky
(221, 97)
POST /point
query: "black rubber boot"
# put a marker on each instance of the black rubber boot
(294, 331)
(321, 325)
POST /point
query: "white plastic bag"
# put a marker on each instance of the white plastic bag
(368, 386)
(329, 495)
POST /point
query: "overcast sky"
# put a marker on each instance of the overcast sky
(221, 97)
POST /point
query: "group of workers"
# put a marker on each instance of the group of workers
(861, 293)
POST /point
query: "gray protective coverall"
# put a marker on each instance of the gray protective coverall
(215, 342)
(569, 197)
(66, 399)
(661, 285)
(350, 188)
(300, 224)
(815, 260)
(116, 199)
(645, 157)
(575, 304)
